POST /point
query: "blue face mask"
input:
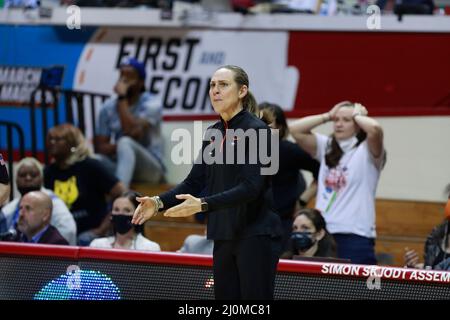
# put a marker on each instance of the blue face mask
(302, 241)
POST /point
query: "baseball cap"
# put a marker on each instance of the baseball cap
(138, 66)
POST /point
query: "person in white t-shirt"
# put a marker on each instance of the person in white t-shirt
(351, 160)
(126, 235)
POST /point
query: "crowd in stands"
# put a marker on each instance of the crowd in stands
(84, 199)
(320, 7)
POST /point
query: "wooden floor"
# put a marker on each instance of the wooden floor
(400, 225)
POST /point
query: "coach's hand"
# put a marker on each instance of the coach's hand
(191, 205)
(144, 211)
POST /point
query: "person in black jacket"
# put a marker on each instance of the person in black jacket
(4, 181)
(288, 184)
(245, 229)
(81, 181)
(436, 249)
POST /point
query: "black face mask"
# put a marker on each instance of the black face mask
(121, 223)
(24, 190)
(302, 241)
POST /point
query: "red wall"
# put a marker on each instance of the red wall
(393, 74)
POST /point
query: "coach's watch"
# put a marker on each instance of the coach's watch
(204, 205)
(158, 203)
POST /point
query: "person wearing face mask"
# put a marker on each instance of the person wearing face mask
(126, 235)
(30, 177)
(309, 236)
(133, 121)
(351, 160)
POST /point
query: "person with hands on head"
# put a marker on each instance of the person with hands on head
(133, 121)
(351, 162)
(245, 230)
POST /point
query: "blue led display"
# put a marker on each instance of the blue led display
(80, 285)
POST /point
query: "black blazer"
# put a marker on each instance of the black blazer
(52, 236)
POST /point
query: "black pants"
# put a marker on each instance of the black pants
(245, 268)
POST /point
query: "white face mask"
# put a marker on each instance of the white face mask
(347, 144)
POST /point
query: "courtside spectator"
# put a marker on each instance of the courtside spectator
(80, 181)
(126, 235)
(133, 120)
(30, 177)
(351, 160)
(34, 220)
(309, 237)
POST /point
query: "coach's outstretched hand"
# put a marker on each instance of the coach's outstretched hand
(144, 211)
(191, 205)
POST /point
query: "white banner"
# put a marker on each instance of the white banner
(179, 64)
